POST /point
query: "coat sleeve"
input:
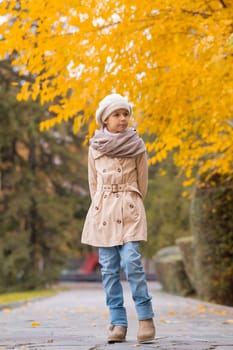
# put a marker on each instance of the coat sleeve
(142, 173)
(92, 175)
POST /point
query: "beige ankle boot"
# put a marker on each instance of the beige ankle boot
(117, 334)
(146, 332)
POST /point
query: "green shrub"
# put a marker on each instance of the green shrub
(212, 230)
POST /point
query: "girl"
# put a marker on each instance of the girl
(116, 220)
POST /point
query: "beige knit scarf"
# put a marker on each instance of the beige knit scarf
(125, 144)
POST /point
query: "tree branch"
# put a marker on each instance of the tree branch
(195, 13)
(6, 66)
(223, 3)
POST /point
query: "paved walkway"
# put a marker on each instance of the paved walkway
(78, 318)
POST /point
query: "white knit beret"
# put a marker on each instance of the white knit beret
(109, 104)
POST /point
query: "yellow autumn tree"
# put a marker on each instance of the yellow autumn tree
(173, 59)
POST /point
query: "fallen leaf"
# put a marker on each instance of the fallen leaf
(201, 308)
(6, 309)
(220, 312)
(172, 313)
(163, 320)
(228, 322)
(36, 324)
(106, 313)
(95, 309)
(80, 309)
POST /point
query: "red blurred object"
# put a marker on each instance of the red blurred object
(90, 263)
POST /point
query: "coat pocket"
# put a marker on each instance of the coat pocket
(132, 206)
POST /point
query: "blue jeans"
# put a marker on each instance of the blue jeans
(128, 256)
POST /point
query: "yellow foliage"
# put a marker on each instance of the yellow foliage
(189, 182)
(173, 59)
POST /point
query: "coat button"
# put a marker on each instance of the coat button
(119, 170)
(104, 223)
(119, 221)
(96, 208)
(104, 170)
(117, 195)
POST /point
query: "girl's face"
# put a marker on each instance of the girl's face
(117, 121)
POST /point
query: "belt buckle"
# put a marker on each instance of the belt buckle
(114, 188)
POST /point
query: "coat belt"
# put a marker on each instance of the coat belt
(114, 188)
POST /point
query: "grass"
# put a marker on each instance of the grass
(12, 297)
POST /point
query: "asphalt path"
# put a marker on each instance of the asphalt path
(78, 319)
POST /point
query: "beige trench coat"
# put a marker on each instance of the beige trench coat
(117, 187)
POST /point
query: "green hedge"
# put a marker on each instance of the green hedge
(212, 231)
